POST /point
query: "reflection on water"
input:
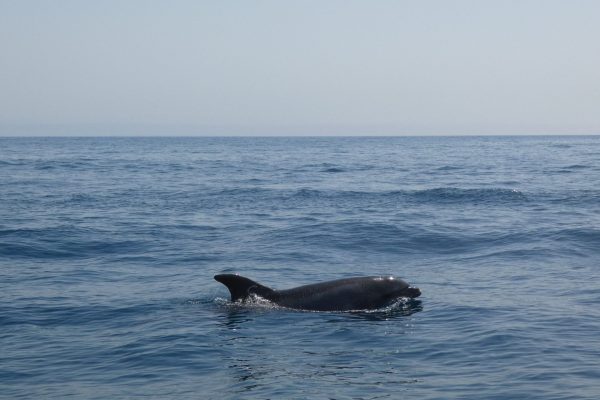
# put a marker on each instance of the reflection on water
(235, 316)
(268, 349)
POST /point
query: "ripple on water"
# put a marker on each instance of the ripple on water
(108, 247)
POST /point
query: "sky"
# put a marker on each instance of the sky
(304, 67)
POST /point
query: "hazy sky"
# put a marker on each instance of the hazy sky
(299, 67)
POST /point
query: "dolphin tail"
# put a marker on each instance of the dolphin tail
(241, 288)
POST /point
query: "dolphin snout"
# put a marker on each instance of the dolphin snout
(413, 292)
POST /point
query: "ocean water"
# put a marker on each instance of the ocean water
(108, 247)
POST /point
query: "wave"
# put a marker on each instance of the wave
(381, 238)
(573, 197)
(63, 165)
(46, 315)
(450, 168)
(62, 242)
(453, 194)
(577, 166)
(569, 169)
(18, 162)
(333, 170)
(434, 195)
(582, 238)
(365, 237)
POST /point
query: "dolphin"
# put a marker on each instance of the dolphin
(359, 293)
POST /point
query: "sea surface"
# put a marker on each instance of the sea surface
(108, 247)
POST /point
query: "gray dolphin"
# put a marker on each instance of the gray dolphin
(360, 293)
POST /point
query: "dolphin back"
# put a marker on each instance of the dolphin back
(241, 287)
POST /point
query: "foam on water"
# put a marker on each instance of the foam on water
(401, 306)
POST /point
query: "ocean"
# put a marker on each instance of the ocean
(108, 247)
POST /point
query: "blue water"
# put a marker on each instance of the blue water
(108, 247)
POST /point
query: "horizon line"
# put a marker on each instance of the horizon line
(298, 135)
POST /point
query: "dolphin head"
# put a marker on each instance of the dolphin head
(393, 288)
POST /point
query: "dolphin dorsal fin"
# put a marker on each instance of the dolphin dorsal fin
(241, 287)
